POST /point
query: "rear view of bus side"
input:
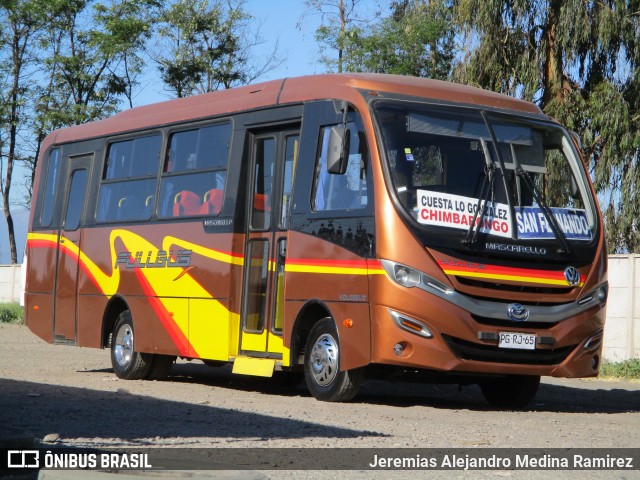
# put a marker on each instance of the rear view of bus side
(331, 225)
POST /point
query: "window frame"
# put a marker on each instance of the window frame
(164, 174)
(46, 197)
(128, 180)
(355, 127)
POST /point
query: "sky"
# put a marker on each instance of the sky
(281, 21)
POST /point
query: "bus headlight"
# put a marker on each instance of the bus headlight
(406, 276)
(402, 274)
(410, 277)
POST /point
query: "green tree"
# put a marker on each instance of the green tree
(93, 44)
(21, 20)
(579, 60)
(416, 39)
(341, 21)
(90, 57)
(205, 45)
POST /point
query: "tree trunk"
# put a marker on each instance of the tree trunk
(18, 55)
(343, 23)
(552, 72)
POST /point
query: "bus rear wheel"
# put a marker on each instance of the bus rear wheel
(515, 391)
(127, 363)
(322, 372)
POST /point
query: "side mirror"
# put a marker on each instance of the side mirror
(338, 154)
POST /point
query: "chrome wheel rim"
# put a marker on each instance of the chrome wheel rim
(324, 360)
(123, 346)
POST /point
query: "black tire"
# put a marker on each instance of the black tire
(127, 363)
(515, 391)
(324, 379)
(160, 367)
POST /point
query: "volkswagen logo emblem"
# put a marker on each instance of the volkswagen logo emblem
(572, 275)
(517, 312)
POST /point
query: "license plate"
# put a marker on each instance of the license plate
(520, 341)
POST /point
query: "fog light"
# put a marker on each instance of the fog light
(602, 294)
(595, 362)
(398, 349)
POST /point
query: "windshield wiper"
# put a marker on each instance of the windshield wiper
(553, 222)
(471, 234)
(486, 190)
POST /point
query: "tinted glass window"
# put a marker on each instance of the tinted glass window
(133, 158)
(48, 196)
(263, 181)
(290, 163)
(349, 190)
(128, 189)
(495, 175)
(255, 296)
(126, 201)
(200, 149)
(194, 175)
(76, 199)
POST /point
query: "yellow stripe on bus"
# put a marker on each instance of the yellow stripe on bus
(163, 280)
(322, 269)
(513, 278)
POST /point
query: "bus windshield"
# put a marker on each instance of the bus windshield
(476, 175)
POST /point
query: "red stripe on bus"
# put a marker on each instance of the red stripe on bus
(178, 338)
(312, 262)
(493, 269)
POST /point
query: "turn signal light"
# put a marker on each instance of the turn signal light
(347, 322)
(409, 324)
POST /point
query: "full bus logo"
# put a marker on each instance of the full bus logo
(157, 259)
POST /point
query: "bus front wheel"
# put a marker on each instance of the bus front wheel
(515, 391)
(127, 363)
(322, 372)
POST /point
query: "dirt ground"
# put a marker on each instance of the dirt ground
(70, 396)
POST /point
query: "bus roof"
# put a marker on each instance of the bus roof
(282, 92)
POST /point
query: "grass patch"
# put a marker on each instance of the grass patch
(629, 369)
(11, 313)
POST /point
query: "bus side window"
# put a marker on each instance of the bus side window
(290, 164)
(129, 180)
(349, 190)
(48, 196)
(194, 174)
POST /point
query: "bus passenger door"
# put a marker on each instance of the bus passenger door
(273, 162)
(69, 244)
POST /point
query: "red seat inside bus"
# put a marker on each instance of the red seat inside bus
(261, 202)
(212, 201)
(186, 203)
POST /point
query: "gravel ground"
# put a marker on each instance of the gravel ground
(69, 396)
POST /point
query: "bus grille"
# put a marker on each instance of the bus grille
(489, 353)
(514, 288)
(510, 324)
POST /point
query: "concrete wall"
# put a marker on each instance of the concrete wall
(10, 290)
(622, 331)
